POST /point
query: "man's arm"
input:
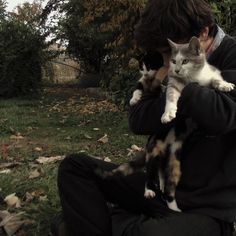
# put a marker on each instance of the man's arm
(212, 110)
(145, 116)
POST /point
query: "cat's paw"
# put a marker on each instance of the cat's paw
(173, 206)
(224, 86)
(133, 101)
(149, 193)
(168, 116)
(136, 97)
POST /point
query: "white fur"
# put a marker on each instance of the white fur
(173, 206)
(162, 181)
(137, 94)
(149, 193)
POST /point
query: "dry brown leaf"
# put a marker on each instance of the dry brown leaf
(136, 148)
(11, 222)
(28, 197)
(38, 149)
(6, 171)
(87, 136)
(16, 136)
(107, 159)
(43, 198)
(34, 174)
(9, 165)
(103, 139)
(47, 160)
(96, 129)
(12, 201)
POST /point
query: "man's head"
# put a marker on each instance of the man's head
(177, 20)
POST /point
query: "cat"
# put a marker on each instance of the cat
(188, 64)
(162, 155)
(148, 66)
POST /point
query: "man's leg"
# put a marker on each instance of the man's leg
(180, 224)
(84, 195)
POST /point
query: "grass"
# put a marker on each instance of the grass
(60, 122)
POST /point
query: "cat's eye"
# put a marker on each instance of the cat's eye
(185, 61)
(173, 61)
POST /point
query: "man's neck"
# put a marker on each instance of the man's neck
(207, 44)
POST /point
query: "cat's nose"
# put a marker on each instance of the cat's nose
(177, 71)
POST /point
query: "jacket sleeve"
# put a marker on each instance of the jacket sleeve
(145, 116)
(212, 110)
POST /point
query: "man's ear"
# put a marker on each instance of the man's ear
(204, 34)
(172, 44)
(194, 46)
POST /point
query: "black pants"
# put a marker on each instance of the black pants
(84, 198)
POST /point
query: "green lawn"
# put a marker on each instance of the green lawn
(62, 121)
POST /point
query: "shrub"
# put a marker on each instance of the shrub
(20, 59)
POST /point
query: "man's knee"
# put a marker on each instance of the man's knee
(73, 163)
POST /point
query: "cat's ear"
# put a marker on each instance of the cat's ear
(172, 44)
(195, 46)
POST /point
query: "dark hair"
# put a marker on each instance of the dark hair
(178, 20)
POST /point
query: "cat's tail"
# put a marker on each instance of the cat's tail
(125, 169)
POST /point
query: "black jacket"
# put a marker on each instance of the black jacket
(208, 161)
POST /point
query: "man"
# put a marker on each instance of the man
(206, 193)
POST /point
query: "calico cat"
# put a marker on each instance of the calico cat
(148, 67)
(162, 154)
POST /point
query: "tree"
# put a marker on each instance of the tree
(3, 6)
(96, 30)
(21, 48)
(28, 13)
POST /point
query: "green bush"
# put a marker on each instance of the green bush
(225, 12)
(20, 59)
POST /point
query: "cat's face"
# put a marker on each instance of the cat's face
(150, 63)
(186, 58)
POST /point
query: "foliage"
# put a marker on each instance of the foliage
(225, 12)
(20, 58)
(97, 30)
(28, 13)
(3, 6)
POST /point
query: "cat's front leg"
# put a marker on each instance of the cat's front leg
(137, 94)
(222, 85)
(173, 92)
(170, 112)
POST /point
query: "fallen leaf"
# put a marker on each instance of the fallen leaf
(107, 159)
(43, 198)
(38, 149)
(46, 160)
(96, 129)
(136, 148)
(9, 165)
(12, 201)
(103, 139)
(6, 171)
(16, 136)
(28, 197)
(34, 174)
(11, 222)
(87, 136)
